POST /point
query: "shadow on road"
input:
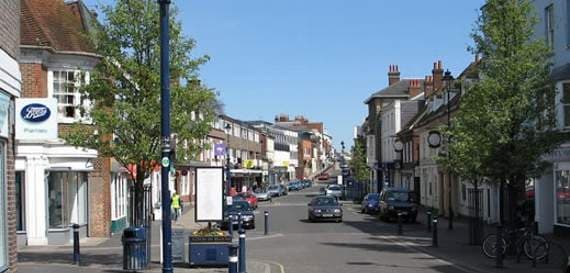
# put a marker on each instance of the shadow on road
(402, 268)
(107, 260)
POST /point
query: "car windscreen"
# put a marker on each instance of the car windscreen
(334, 188)
(373, 196)
(272, 188)
(400, 196)
(240, 205)
(325, 202)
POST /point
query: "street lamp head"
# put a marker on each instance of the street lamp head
(434, 139)
(228, 126)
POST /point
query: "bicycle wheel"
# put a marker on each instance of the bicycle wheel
(489, 246)
(540, 246)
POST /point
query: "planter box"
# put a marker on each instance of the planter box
(209, 250)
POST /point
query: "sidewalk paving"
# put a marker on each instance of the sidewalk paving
(454, 247)
(99, 256)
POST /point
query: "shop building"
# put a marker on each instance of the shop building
(59, 184)
(10, 89)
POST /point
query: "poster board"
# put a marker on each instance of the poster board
(209, 185)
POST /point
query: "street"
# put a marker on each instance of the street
(360, 243)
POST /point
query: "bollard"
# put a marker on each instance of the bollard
(400, 228)
(499, 247)
(233, 259)
(428, 214)
(266, 214)
(231, 226)
(76, 255)
(434, 242)
(242, 251)
(240, 222)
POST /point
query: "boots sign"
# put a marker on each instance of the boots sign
(36, 119)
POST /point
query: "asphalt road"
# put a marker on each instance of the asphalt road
(360, 243)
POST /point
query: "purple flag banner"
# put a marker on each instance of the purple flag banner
(219, 149)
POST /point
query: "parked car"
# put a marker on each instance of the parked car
(324, 176)
(294, 186)
(307, 183)
(249, 198)
(274, 190)
(231, 215)
(393, 201)
(370, 203)
(325, 208)
(262, 195)
(334, 191)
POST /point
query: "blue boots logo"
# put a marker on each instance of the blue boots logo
(35, 112)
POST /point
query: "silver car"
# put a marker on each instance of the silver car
(263, 196)
(334, 191)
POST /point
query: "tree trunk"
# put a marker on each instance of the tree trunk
(138, 200)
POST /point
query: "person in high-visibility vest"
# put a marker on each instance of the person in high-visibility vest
(176, 206)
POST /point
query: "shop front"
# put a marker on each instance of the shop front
(52, 177)
(552, 194)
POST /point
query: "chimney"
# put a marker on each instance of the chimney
(393, 74)
(414, 88)
(477, 57)
(428, 86)
(437, 74)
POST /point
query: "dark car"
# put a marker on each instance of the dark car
(370, 203)
(307, 183)
(325, 208)
(294, 186)
(394, 201)
(232, 214)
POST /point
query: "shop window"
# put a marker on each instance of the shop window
(67, 197)
(563, 197)
(3, 225)
(20, 202)
(119, 196)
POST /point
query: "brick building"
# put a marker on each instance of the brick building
(10, 88)
(56, 59)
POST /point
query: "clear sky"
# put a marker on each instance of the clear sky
(321, 58)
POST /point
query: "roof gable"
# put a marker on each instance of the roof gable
(54, 24)
(399, 89)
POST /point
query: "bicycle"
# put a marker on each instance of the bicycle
(532, 245)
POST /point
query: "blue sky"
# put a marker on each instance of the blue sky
(321, 58)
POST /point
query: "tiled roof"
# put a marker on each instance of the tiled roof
(55, 24)
(471, 71)
(398, 89)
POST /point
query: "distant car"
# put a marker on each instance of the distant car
(325, 208)
(393, 201)
(334, 191)
(275, 190)
(249, 198)
(370, 203)
(262, 195)
(324, 176)
(294, 186)
(307, 183)
(231, 215)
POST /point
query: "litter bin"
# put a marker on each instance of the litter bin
(134, 249)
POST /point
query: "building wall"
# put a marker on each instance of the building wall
(100, 198)
(561, 28)
(34, 83)
(10, 27)
(9, 43)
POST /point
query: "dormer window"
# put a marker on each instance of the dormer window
(65, 86)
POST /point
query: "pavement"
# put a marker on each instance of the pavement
(105, 255)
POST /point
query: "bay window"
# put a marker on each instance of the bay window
(65, 87)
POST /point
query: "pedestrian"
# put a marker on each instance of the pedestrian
(176, 206)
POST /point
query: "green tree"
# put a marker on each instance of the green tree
(124, 90)
(506, 121)
(358, 160)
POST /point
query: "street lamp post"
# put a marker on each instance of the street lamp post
(228, 127)
(165, 135)
(448, 79)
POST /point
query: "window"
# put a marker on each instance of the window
(66, 90)
(463, 192)
(549, 24)
(20, 202)
(119, 196)
(565, 104)
(563, 197)
(67, 197)
(3, 216)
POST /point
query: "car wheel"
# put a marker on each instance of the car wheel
(339, 220)
(362, 210)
